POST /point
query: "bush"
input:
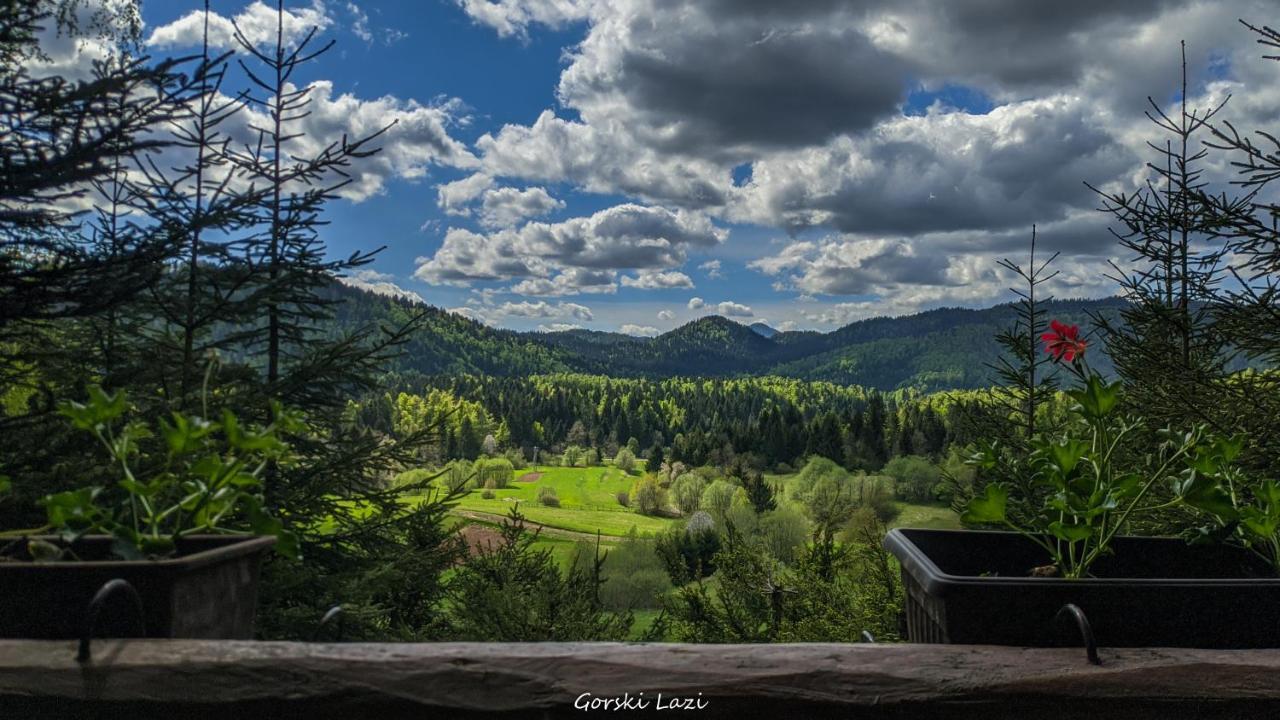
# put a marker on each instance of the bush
(785, 533)
(499, 470)
(591, 457)
(625, 460)
(687, 491)
(718, 497)
(915, 478)
(516, 457)
(648, 497)
(547, 496)
(490, 484)
(635, 577)
(624, 499)
(457, 474)
(488, 494)
(572, 456)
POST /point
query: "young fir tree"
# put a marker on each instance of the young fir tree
(1166, 343)
(61, 139)
(210, 290)
(1013, 411)
(1249, 315)
(369, 537)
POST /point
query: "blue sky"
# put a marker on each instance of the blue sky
(631, 165)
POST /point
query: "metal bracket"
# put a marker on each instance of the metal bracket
(333, 612)
(108, 589)
(1086, 630)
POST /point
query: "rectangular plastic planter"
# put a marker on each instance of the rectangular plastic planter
(972, 587)
(209, 590)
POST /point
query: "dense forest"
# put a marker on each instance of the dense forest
(769, 422)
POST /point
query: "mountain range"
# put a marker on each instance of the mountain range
(947, 348)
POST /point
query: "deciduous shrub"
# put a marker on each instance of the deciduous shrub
(547, 496)
(625, 460)
(648, 497)
(499, 470)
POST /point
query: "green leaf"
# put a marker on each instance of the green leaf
(1070, 533)
(991, 507)
(1202, 493)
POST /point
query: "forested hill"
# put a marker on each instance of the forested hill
(934, 350)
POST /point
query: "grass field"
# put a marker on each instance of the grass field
(588, 501)
(935, 517)
(589, 504)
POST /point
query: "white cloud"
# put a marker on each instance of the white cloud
(711, 268)
(507, 207)
(513, 17)
(380, 284)
(621, 237)
(570, 281)
(638, 330)
(455, 197)
(558, 327)
(257, 21)
(733, 309)
(696, 303)
(360, 22)
(652, 280)
(666, 315)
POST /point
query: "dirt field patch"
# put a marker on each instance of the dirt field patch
(529, 477)
(479, 537)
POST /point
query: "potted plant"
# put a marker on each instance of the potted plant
(1062, 542)
(167, 531)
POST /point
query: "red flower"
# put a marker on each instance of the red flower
(1063, 341)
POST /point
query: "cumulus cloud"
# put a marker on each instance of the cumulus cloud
(733, 309)
(711, 268)
(651, 280)
(638, 330)
(696, 303)
(493, 313)
(456, 197)
(1021, 163)
(513, 17)
(666, 315)
(838, 266)
(418, 136)
(570, 281)
(380, 284)
(621, 237)
(257, 21)
(507, 207)
(558, 327)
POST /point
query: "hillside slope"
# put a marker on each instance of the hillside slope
(948, 348)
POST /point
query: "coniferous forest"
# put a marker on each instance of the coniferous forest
(180, 354)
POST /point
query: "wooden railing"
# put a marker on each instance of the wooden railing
(230, 680)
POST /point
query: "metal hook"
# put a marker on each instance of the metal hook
(868, 637)
(109, 588)
(330, 614)
(1086, 630)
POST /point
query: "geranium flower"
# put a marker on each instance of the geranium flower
(1063, 341)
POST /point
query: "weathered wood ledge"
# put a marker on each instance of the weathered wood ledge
(144, 679)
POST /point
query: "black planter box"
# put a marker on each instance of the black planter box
(209, 590)
(972, 587)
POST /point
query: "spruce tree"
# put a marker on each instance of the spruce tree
(1166, 343)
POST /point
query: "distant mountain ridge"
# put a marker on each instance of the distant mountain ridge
(947, 348)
